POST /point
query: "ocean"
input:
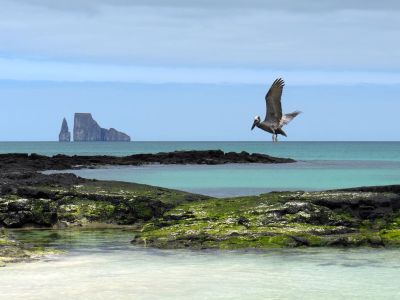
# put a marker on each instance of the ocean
(365, 151)
(101, 264)
(321, 165)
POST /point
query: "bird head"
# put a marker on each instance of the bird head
(257, 120)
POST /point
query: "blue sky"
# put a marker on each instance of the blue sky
(199, 70)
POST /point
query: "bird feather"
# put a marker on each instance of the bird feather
(273, 102)
(286, 118)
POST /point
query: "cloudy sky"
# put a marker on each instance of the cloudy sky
(198, 70)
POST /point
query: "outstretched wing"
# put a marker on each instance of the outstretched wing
(286, 118)
(273, 101)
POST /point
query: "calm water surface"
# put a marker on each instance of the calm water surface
(389, 151)
(101, 264)
(322, 165)
(252, 179)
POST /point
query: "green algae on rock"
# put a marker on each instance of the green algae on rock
(275, 220)
(12, 251)
(89, 202)
(175, 219)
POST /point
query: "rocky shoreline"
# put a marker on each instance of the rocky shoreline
(165, 218)
(12, 251)
(285, 219)
(24, 162)
(64, 200)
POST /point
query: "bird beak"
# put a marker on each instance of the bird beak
(254, 125)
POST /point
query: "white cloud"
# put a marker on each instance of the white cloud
(292, 5)
(16, 69)
(352, 35)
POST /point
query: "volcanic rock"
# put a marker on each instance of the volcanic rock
(65, 135)
(86, 129)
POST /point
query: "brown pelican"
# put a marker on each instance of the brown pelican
(274, 120)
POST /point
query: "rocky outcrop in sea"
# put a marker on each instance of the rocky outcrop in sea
(86, 129)
(35, 162)
(65, 135)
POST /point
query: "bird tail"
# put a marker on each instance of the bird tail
(280, 131)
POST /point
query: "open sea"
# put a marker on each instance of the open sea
(101, 264)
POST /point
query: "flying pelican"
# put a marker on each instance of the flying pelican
(274, 120)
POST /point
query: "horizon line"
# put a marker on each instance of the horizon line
(202, 141)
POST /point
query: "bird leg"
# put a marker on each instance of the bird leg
(273, 137)
(276, 138)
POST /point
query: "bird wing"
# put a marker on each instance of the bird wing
(273, 101)
(286, 118)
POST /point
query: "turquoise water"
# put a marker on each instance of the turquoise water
(101, 264)
(251, 179)
(322, 165)
(388, 151)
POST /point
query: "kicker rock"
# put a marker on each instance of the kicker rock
(65, 135)
(86, 129)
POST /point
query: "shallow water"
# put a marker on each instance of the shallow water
(251, 179)
(322, 165)
(101, 264)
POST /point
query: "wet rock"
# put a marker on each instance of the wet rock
(348, 241)
(6, 189)
(302, 212)
(243, 221)
(25, 163)
(301, 241)
(12, 251)
(179, 216)
(61, 225)
(364, 205)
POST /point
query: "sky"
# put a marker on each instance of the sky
(199, 70)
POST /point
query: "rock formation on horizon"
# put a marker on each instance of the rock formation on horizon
(86, 129)
(65, 135)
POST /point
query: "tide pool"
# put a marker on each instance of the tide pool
(101, 264)
(251, 179)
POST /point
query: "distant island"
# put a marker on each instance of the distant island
(65, 135)
(86, 129)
